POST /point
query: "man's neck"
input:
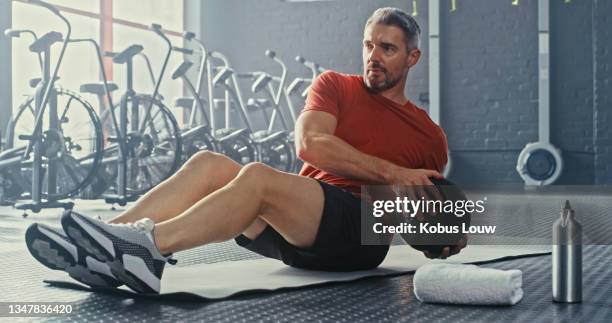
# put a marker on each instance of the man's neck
(396, 93)
(397, 98)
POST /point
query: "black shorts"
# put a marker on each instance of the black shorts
(337, 246)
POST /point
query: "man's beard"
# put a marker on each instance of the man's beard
(380, 86)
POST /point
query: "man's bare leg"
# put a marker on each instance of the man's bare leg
(202, 174)
(291, 204)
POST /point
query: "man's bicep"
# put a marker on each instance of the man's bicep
(314, 121)
(309, 125)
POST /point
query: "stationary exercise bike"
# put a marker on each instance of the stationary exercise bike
(53, 133)
(299, 87)
(147, 143)
(195, 135)
(272, 147)
(236, 143)
(277, 147)
(11, 180)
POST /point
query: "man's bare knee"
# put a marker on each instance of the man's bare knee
(256, 169)
(206, 159)
(203, 157)
(258, 175)
(257, 172)
(260, 179)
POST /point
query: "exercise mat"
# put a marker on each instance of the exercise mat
(230, 278)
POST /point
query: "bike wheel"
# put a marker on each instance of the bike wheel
(198, 139)
(75, 148)
(278, 153)
(154, 146)
(240, 148)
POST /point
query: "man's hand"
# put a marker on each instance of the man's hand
(415, 184)
(407, 176)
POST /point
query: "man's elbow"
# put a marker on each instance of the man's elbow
(306, 148)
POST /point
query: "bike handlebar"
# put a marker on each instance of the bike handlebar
(205, 67)
(188, 35)
(51, 83)
(182, 50)
(16, 33)
(46, 5)
(249, 75)
(277, 96)
(12, 32)
(270, 53)
(56, 12)
(148, 65)
(315, 69)
(157, 28)
(109, 98)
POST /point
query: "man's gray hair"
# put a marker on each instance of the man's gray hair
(398, 18)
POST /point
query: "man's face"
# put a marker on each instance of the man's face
(385, 58)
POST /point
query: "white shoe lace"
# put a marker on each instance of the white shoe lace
(143, 225)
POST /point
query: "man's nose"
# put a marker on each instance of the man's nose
(374, 55)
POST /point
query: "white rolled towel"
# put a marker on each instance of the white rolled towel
(467, 284)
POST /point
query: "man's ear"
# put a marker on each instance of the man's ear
(413, 57)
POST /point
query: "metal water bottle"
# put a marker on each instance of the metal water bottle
(567, 257)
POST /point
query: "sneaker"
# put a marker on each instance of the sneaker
(128, 249)
(52, 248)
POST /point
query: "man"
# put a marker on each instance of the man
(354, 130)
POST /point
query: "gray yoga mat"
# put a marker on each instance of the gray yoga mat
(229, 278)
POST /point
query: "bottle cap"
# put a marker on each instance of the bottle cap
(567, 213)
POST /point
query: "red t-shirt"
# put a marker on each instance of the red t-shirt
(375, 125)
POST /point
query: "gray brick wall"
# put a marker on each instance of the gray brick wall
(572, 88)
(489, 87)
(489, 71)
(602, 26)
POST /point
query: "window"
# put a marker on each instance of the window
(168, 14)
(129, 24)
(78, 65)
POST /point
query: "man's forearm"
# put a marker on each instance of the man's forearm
(335, 156)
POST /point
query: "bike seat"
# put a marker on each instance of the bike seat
(34, 82)
(257, 104)
(295, 85)
(305, 92)
(227, 134)
(97, 88)
(261, 82)
(127, 54)
(147, 97)
(183, 102)
(186, 102)
(44, 43)
(223, 74)
(265, 136)
(181, 70)
(11, 157)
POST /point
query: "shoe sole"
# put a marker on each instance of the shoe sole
(56, 257)
(84, 240)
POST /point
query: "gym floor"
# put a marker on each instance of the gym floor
(372, 299)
